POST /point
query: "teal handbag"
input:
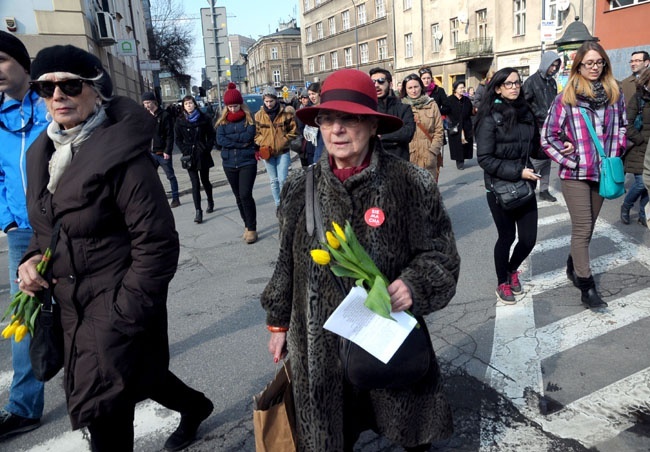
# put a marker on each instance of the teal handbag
(612, 172)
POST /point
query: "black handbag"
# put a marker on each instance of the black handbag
(454, 130)
(46, 347)
(413, 358)
(511, 195)
(186, 162)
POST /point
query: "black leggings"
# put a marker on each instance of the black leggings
(204, 174)
(241, 182)
(521, 222)
(114, 432)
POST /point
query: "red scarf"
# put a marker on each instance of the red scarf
(343, 173)
(236, 116)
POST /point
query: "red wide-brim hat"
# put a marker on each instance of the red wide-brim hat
(353, 92)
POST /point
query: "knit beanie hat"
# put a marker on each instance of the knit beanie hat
(232, 96)
(75, 61)
(13, 47)
(148, 95)
(269, 91)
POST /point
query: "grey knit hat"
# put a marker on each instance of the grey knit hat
(269, 91)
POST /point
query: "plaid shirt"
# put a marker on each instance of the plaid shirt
(565, 123)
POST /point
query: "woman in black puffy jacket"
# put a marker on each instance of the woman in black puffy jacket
(195, 138)
(507, 137)
(236, 135)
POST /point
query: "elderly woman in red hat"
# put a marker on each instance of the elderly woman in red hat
(410, 239)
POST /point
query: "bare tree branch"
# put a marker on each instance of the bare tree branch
(172, 36)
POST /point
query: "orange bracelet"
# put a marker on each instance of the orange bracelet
(277, 329)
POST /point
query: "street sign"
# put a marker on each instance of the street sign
(149, 65)
(285, 89)
(126, 47)
(293, 87)
(548, 31)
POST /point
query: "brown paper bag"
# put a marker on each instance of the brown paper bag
(274, 417)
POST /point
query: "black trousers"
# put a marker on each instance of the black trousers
(521, 222)
(241, 182)
(204, 175)
(114, 433)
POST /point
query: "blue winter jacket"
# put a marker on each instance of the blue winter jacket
(236, 141)
(15, 115)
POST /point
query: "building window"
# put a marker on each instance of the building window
(318, 2)
(435, 37)
(481, 23)
(307, 5)
(408, 45)
(277, 82)
(345, 18)
(453, 31)
(309, 39)
(334, 59)
(321, 63)
(615, 4)
(310, 65)
(361, 14)
(380, 8)
(407, 4)
(274, 53)
(332, 24)
(552, 13)
(363, 52)
(168, 90)
(347, 52)
(519, 10)
(382, 49)
(319, 30)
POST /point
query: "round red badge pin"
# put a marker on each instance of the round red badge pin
(374, 217)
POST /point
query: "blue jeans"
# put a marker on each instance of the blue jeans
(168, 168)
(637, 191)
(278, 168)
(26, 396)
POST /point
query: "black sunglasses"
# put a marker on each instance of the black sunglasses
(71, 87)
(381, 80)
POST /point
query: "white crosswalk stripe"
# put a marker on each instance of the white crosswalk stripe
(520, 346)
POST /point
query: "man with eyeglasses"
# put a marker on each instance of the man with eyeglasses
(396, 143)
(540, 90)
(639, 61)
(22, 119)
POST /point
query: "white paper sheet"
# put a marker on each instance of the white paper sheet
(378, 336)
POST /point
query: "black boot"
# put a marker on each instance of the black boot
(590, 297)
(210, 208)
(625, 214)
(185, 434)
(199, 216)
(570, 272)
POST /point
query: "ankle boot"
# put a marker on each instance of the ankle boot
(199, 216)
(570, 272)
(625, 214)
(590, 297)
(210, 208)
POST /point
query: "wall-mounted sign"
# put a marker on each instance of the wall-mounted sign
(149, 65)
(126, 47)
(548, 30)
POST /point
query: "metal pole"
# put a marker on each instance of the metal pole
(216, 51)
(356, 31)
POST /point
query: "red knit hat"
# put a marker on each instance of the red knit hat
(350, 91)
(232, 96)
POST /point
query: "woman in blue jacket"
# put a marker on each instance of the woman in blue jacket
(235, 138)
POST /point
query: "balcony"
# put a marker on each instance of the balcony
(474, 48)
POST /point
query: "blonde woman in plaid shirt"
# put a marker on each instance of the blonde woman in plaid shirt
(566, 139)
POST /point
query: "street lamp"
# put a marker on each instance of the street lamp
(356, 31)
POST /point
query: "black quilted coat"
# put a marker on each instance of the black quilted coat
(117, 252)
(415, 243)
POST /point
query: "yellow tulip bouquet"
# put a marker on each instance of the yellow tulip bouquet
(24, 309)
(351, 260)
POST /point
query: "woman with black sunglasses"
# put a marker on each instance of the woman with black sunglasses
(93, 187)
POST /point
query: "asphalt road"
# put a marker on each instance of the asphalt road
(542, 375)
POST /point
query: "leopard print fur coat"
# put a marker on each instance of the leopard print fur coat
(415, 243)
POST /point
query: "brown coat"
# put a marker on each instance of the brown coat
(637, 141)
(424, 152)
(415, 243)
(117, 252)
(279, 134)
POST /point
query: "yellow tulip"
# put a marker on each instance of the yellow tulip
(20, 333)
(339, 231)
(10, 329)
(332, 240)
(321, 257)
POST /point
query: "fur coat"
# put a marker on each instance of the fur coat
(415, 243)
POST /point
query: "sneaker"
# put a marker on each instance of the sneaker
(175, 203)
(185, 434)
(515, 284)
(546, 196)
(504, 294)
(12, 424)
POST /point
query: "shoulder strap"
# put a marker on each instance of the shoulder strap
(425, 131)
(592, 132)
(47, 293)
